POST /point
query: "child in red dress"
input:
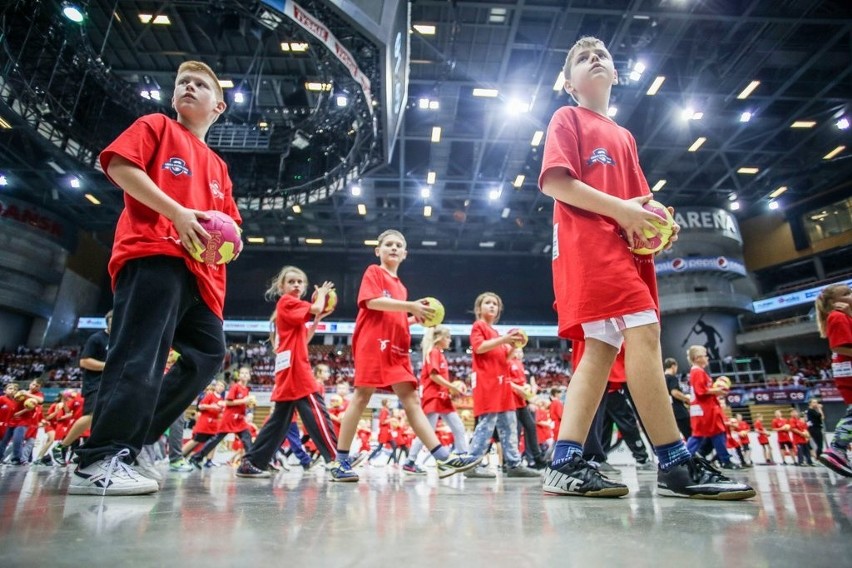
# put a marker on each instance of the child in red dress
(763, 439)
(380, 344)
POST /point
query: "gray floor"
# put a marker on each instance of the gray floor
(800, 517)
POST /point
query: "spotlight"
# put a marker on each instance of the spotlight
(73, 12)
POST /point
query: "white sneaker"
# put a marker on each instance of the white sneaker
(146, 465)
(110, 476)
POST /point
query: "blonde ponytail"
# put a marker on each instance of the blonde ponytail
(431, 336)
(825, 303)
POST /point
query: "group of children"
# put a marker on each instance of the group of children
(606, 297)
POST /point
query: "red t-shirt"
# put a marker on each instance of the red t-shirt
(436, 398)
(838, 330)
(381, 339)
(336, 411)
(743, 432)
(801, 426)
(7, 406)
(76, 405)
(783, 435)
(491, 390)
(234, 417)
(706, 416)
(29, 418)
(186, 170)
(32, 424)
(384, 426)
(762, 435)
(543, 433)
(556, 408)
(294, 378)
(595, 275)
(208, 420)
(518, 377)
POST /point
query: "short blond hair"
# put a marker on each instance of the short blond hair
(694, 351)
(582, 43)
(203, 68)
(392, 233)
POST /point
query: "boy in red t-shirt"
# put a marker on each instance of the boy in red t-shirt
(381, 343)
(7, 408)
(781, 426)
(800, 438)
(24, 415)
(605, 294)
(162, 296)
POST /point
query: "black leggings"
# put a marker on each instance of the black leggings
(244, 436)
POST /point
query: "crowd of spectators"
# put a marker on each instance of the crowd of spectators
(58, 367)
(805, 370)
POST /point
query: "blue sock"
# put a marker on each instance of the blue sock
(672, 454)
(440, 452)
(342, 455)
(564, 450)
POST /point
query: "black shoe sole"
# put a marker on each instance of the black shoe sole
(724, 496)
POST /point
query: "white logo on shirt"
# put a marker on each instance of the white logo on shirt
(555, 245)
(216, 190)
(383, 344)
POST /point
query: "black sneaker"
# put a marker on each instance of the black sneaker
(578, 477)
(697, 479)
(248, 469)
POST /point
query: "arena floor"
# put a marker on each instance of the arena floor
(801, 517)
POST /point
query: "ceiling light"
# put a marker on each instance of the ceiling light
(773, 205)
(843, 123)
(635, 75)
(425, 192)
(697, 116)
(748, 170)
(612, 111)
(423, 103)
(297, 209)
(748, 90)
(313, 241)
(74, 182)
(263, 125)
(3, 181)
(362, 209)
(342, 101)
(778, 191)
(655, 86)
(430, 178)
(239, 98)
(497, 15)
(226, 83)
(735, 205)
(4, 124)
(94, 200)
(494, 194)
(517, 107)
(256, 240)
(355, 190)
(427, 210)
(429, 243)
(55, 166)
(732, 197)
(519, 180)
(487, 244)
(560, 82)
(834, 152)
(659, 185)
(371, 242)
(434, 105)
(803, 124)
(745, 117)
(436, 134)
(317, 86)
(505, 213)
(298, 47)
(537, 137)
(639, 67)
(687, 113)
(73, 12)
(160, 19)
(485, 92)
(424, 29)
(697, 144)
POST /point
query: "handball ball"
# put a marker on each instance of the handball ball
(519, 344)
(330, 301)
(225, 242)
(722, 382)
(438, 317)
(665, 226)
(30, 403)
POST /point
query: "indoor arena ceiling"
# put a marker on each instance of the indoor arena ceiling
(710, 135)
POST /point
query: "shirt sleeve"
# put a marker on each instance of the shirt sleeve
(838, 329)
(433, 363)
(561, 147)
(371, 286)
(698, 381)
(137, 144)
(292, 311)
(477, 335)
